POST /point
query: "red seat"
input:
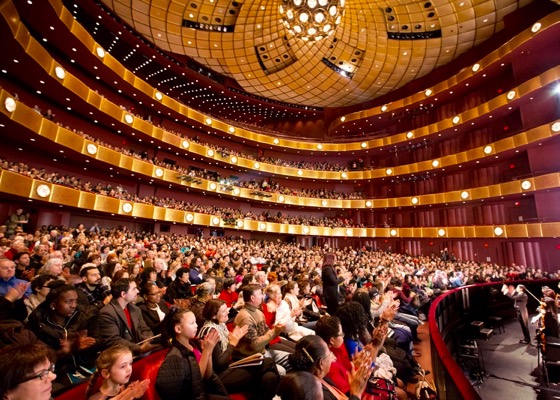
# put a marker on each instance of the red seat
(75, 392)
(147, 368)
(144, 368)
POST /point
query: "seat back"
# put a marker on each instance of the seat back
(147, 368)
(75, 392)
(552, 349)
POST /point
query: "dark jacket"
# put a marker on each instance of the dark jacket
(113, 326)
(42, 324)
(179, 377)
(178, 290)
(151, 317)
(330, 288)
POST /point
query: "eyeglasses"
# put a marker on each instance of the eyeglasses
(43, 375)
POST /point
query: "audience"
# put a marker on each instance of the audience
(72, 313)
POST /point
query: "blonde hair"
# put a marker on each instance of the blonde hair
(106, 360)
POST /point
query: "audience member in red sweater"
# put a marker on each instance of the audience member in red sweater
(228, 294)
(330, 330)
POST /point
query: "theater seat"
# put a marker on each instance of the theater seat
(147, 368)
(75, 392)
(239, 396)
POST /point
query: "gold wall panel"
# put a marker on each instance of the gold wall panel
(535, 230)
(49, 130)
(159, 213)
(94, 99)
(550, 229)
(517, 231)
(75, 85)
(510, 187)
(140, 166)
(107, 204)
(469, 231)
(107, 155)
(455, 231)
(143, 210)
(160, 134)
(70, 139)
(25, 116)
(548, 181)
(406, 232)
(173, 215)
(484, 231)
(65, 195)
(126, 162)
(17, 184)
(495, 190)
(87, 200)
(482, 192)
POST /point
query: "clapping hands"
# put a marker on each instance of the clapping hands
(134, 391)
(210, 340)
(237, 333)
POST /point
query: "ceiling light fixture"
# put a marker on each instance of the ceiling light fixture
(311, 20)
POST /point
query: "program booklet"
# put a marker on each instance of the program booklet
(250, 361)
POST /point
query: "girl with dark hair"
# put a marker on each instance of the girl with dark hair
(26, 372)
(264, 376)
(354, 325)
(68, 328)
(187, 372)
(313, 355)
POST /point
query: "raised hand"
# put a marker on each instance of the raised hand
(237, 333)
(361, 371)
(210, 340)
(279, 328)
(16, 292)
(134, 391)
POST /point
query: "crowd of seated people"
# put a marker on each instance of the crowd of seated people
(115, 290)
(117, 191)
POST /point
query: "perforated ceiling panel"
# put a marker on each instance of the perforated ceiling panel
(398, 41)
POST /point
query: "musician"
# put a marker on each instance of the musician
(550, 312)
(520, 303)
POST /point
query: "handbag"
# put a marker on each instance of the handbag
(379, 389)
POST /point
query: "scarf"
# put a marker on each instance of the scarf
(220, 328)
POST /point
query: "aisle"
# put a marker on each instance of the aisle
(424, 359)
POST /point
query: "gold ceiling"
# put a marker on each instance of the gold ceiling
(378, 47)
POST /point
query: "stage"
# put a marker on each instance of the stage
(512, 369)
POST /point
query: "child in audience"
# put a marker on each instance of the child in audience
(186, 372)
(115, 367)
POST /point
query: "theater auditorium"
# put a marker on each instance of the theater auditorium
(309, 182)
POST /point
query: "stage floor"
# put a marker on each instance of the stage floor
(512, 369)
